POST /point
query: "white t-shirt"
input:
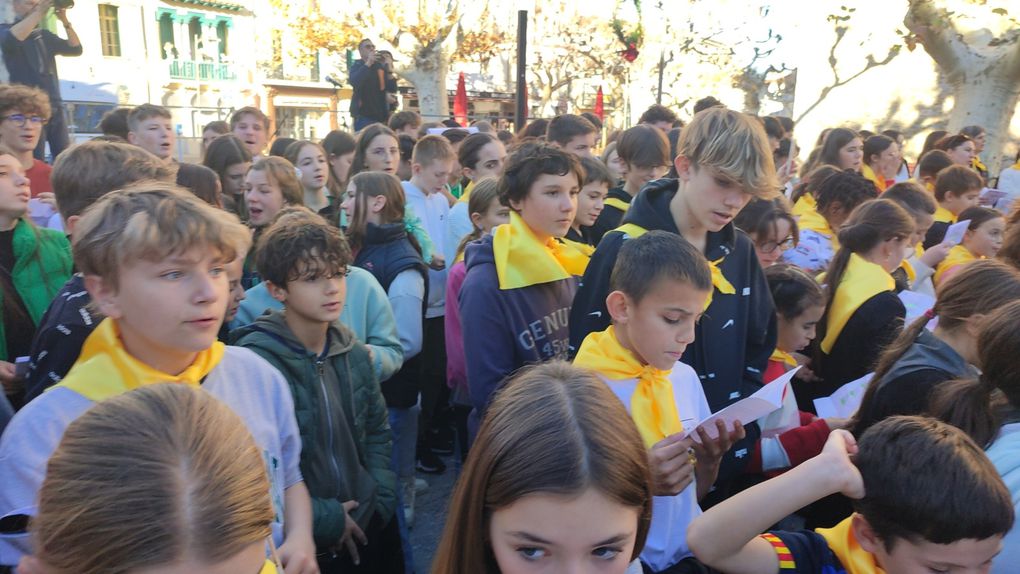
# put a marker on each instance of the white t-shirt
(667, 537)
(434, 211)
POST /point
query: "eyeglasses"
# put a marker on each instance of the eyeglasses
(771, 246)
(20, 119)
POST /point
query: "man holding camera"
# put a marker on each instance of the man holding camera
(29, 53)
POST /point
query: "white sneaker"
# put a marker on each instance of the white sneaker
(420, 485)
(409, 516)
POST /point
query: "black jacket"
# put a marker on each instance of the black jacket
(735, 337)
(610, 217)
(386, 252)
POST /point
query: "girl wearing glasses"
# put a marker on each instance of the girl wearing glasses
(771, 227)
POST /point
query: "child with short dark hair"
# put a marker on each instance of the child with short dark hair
(660, 117)
(151, 128)
(929, 166)
(800, 304)
(927, 498)
(957, 187)
(516, 297)
(661, 284)
(916, 271)
(405, 122)
(479, 156)
(590, 203)
(151, 243)
(723, 161)
(573, 134)
(345, 436)
(770, 226)
(644, 152)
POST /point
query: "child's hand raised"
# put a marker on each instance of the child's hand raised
(835, 458)
(711, 451)
(671, 464)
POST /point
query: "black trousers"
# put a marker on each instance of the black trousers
(435, 395)
(383, 554)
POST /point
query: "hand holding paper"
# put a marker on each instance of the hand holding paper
(768, 399)
(955, 232)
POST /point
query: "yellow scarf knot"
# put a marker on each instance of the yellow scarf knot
(781, 356)
(105, 369)
(652, 406)
(844, 545)
(958, 255)
(869, 173)
(944, 215)
(522, 260)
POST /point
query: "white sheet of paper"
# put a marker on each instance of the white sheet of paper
(845, 401)
(762, 403)
(917, 304)
(954, 235)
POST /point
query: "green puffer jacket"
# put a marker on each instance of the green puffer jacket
(42, 264)
(346, 441)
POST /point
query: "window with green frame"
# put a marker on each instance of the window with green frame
(109, 29)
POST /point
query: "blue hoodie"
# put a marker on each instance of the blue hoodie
(505, 330)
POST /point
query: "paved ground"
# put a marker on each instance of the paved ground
(430, 514)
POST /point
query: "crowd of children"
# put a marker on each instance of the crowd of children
(338, 316)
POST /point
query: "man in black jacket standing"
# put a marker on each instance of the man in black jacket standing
(30, 52)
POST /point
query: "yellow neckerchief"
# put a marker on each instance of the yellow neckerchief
(1016, 165)
(869, 173)
(105, 369)
(652, 406)
(467, 193)
(909, 270)
(958, 255)
(861, 281)
(978, 165)
(844, 545)
(618, 203)
(781, 356)
(806, 203)
(522, 261)
(944, 215)
(268, 568)
(809, 218)
(582, 247)
(719, 280)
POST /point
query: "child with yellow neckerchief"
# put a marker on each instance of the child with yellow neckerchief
(916, 271)
(590, 203)
(838, 195)
(644, 152)
(863, 313)
(153, 260)
(660, 286)
(928, 168)
(927, 499)
(520, 282)
(723, 160)
(956, 188)
(982, 240)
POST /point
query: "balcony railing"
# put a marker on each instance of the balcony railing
(201, 71)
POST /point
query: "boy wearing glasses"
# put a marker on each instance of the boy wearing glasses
(30, 51)
(23, 113)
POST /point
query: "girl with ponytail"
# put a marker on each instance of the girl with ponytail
(863, 313)
(919, 361)
(987, 407)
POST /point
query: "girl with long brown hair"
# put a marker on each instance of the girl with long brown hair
(558, 479)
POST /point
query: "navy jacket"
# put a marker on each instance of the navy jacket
(505, 330)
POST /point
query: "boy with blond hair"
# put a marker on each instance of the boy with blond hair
(723, 160)
(151, 128)
(431, 165)
(157, 242)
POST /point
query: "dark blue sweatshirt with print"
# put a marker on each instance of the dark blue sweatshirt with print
(505, 330)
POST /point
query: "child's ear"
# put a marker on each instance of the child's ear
(378, 203)
(865, 535)
(618, 305)
(683, 167)
(476, 219)
(104, 296)
(276, 292)
(415, 168)
(467, 172)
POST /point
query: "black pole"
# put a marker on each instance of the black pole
(521, 112)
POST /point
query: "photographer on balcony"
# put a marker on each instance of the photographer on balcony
(29, 53)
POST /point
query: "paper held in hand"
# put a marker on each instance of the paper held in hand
(955, 232)
(845, 401)
(762, 403)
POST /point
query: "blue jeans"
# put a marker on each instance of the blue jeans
(404, 425)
